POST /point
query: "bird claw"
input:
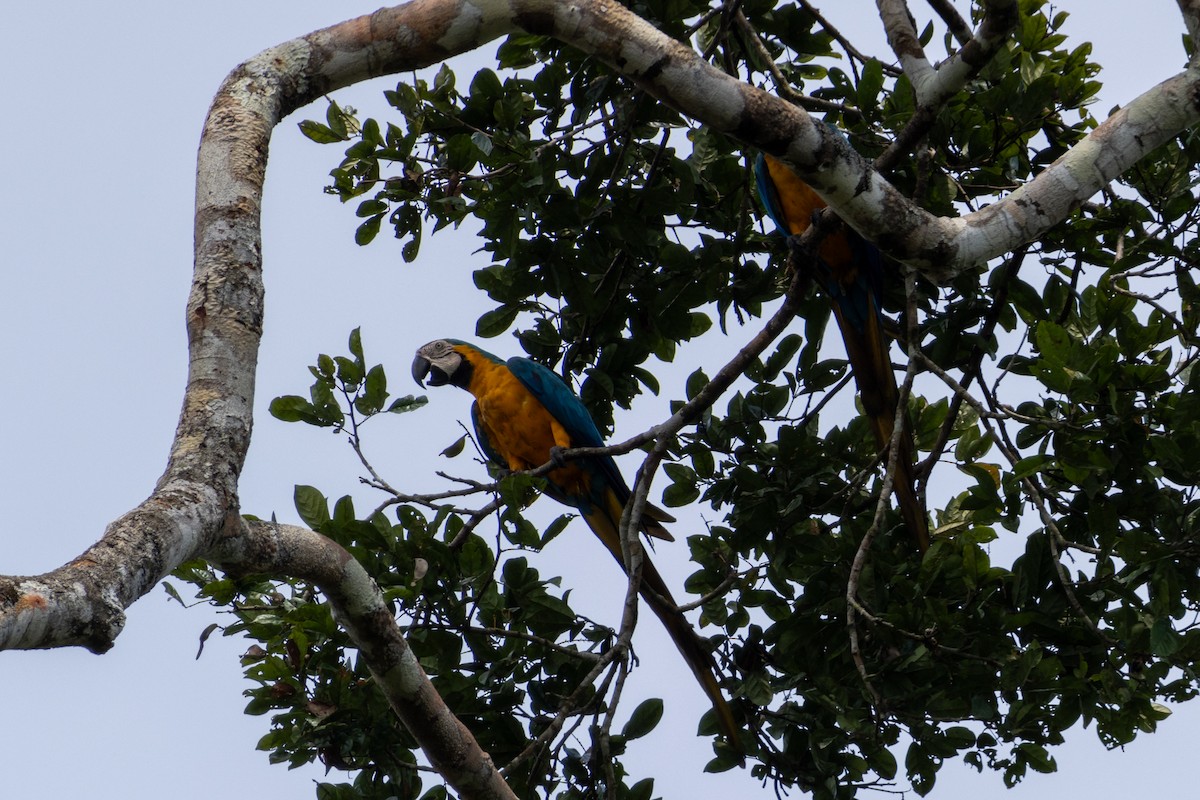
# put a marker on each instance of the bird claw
(556, 456)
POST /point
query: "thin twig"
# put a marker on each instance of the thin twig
(510, 634)
(569, 707)
(837, 35)
(473, 522)
(783, 86)
(927, 638)
(987, 330)
(720, 590)
(957, 26)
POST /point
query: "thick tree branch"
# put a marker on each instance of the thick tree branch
(957, 26)
(1191, 18)
(83, 602)
(939, 247)
(358, 606)
(933, 85)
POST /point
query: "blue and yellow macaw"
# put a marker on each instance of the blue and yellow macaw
(524, 415)
(850, 270)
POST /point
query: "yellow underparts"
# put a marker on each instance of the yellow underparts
(800, 202)
(517, 425)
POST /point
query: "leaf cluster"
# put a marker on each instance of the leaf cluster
(1055, 420)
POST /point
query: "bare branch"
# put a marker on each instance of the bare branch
(840, 38)
(570, 706)
(954, 21)
(782, 87)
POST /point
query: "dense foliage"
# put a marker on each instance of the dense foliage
(1061, 588)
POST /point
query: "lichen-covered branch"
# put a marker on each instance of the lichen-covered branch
(933, 85)
(1191, 17)
(358, 606)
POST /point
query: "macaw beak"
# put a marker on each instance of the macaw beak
(422, 368)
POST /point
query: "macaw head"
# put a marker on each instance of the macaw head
(441, 362)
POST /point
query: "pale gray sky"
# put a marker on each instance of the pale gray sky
(98, 155)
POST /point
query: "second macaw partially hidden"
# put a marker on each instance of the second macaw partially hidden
(524, 414)
(850, 270)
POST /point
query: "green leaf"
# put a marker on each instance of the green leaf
(371, 133)
(343, 512)
(291, 408)
(1031, 466)
(642, 790)
(365, 233)
(1037, 757)
(354, 344)
(644, 719)
(1053, 342)
(461, 153)
(680, 494)
(1164, 640)
(482, 142)
(703, 462)
(870, 85)
(321, 134)
(435, 792)
(369, 208)
(443, 82)
(204, 637)
(555, 528)
(883, 761)
(312, 506)
(700, 323)
(410, 250)
(173, 593)
(973, 445)
(455, 448)
(325, 366)
(374, 391)
(349, 372)
(407, 403)
(496, 321)
(337, 119)
(486, 86)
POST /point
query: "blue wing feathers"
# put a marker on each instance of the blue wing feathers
(572, 414)
(769, 194)
(558, 399)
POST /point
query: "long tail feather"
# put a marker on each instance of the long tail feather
(904, 483)
(851, 275)
(653, 589)
(872, 366)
